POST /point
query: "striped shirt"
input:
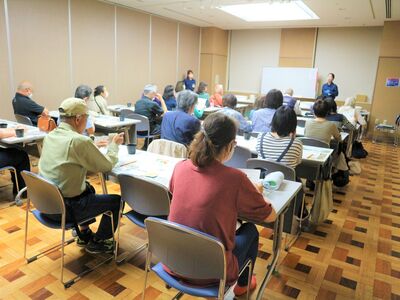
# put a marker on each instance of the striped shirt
(273, 147)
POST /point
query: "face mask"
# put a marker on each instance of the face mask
(30, 95)
(106, 95)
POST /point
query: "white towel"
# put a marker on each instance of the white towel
(273, 181)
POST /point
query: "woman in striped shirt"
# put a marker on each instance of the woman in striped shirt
(283, 132)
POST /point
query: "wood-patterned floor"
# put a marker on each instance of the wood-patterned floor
(354, 255)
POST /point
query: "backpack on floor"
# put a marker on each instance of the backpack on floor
(340, 178)
(358, 150)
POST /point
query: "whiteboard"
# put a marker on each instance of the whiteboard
(303, 81)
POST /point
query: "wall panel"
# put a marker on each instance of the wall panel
(163, 52)
(133, 69)
(93, 44)
(39, 43)
(189, 39)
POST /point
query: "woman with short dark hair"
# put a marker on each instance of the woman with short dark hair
(320, 128)
(329, 89)
(209, 196)
(169, 97)
(98, 103)
(262, 118)
(189, 81)
(339, 119)
(271, 145)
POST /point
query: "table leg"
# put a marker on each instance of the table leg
(103, 183)
(276, 249)
(39, 147)
(127, 137)
(134, 137)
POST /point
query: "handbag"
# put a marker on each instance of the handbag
(323, 203)
(46, 124)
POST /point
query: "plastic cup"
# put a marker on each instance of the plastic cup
(19, 132)
(3, 125)
(131, 148)
(247, 135)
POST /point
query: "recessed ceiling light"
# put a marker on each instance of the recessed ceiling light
(271, 11)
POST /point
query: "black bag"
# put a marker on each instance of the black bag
(341, 178)
(358, 150)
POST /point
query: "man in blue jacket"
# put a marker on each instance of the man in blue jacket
(329, 89)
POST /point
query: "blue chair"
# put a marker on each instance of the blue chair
(189, 253)
(48, 200)
(145, 198)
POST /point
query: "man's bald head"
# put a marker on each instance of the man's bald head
(25, 88)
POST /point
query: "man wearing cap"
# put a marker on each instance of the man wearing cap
(150, 109)
(66, 157)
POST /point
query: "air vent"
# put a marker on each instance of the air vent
(388, 4)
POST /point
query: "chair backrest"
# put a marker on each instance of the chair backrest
(144, 196)
(169, 148)
(185, 251)
(239, 158)
(23, 119)
(314, 142)
(301, 123)
(397, 121)
(44, 195)
(272, 166)
(144, 124)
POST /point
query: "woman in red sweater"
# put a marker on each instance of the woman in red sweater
(208, 196)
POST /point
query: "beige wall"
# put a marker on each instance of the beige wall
(109, 45)
(351, 53)
(5, 84)
(250, 51)
(386, 104)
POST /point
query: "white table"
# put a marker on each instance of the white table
(150, 165)
(239, 107)
(31, 135)
(300, 132)
(116, 109)
(111, 123)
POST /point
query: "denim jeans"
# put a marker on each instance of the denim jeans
(246, 247)
(19, 160)
(91, 205)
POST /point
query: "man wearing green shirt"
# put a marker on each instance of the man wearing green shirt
(66, 157)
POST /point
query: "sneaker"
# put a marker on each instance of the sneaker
(100, 246)
(241, 290)
(86, 237)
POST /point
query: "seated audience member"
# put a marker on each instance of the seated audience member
(320, 128)
(83, 92)
(271, 145)
(150, 109)
(339, 119)
(262, 118)
(66, 158)
(189, 81)
(288, 100)
(216, 98)
(281, 145)
(14, 157)
(229, 102)
(329, 89)
(98, 104)
(180, 126)
(25, 106)
(203, 100)
(351, 113)
(200, 203)
(257, 105)
(169, 97)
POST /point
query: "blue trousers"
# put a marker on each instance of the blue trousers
(246, 247)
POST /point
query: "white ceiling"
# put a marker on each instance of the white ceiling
(204, 13)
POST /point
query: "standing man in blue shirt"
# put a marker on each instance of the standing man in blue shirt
(189, 81)
(329, 89)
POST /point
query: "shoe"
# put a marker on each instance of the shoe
(86, 237)
(241, 290)
(100, 246)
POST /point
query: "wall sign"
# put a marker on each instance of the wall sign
(392, 81)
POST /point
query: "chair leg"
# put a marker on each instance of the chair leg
(26, 227)
(294, 239)
(62, 255)
(146, 272)
(250, 266)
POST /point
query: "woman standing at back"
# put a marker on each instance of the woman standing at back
(208, 196)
